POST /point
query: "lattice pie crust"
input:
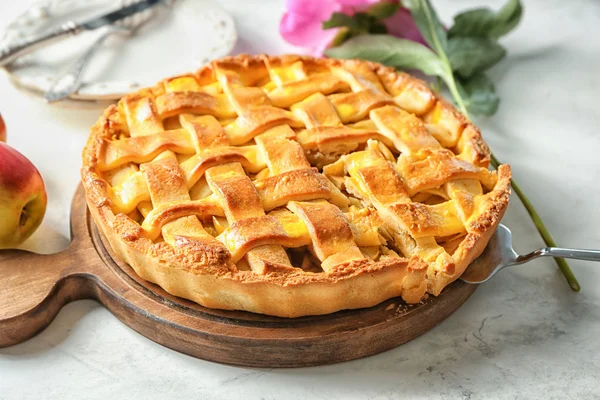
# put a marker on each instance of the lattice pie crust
(292, 186)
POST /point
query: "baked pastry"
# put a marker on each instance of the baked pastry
(292, 186)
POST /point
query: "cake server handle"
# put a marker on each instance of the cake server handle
(16, 49)
(577, 254)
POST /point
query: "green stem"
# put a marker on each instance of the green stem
(539, 224)
(451, 83)
(438, 84)
(449, 75)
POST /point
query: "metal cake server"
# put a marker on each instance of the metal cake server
(16, 49)
(499, 254)
(70, 81)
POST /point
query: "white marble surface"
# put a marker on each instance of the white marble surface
(523, 335)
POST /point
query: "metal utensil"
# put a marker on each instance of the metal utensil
(16, 49)
(499, 254)
(70, 81)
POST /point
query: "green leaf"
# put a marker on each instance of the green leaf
(469, 55)
(365, 21)
(388, 50)
(480, 94)
(473, 23)
(378, 28)
(508, 18)
(382, 10)
(354, 25)
(338, 20)
(485, 22)
(428, 23)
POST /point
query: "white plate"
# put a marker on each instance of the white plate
(178, 38)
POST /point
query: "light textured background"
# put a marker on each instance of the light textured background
(523, 335)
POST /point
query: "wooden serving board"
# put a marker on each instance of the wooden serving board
(33, 289)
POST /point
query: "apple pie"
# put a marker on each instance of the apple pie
(291, 186)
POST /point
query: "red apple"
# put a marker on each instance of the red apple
(2, 130)
(22, 197)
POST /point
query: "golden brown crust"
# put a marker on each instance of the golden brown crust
(201, 267)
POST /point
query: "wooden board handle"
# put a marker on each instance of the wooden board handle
(33, 288)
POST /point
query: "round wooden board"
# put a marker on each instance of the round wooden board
(33, 288)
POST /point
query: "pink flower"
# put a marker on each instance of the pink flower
(402, 25)
(301, 25)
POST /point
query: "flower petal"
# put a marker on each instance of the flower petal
(356, 3)
(301, 25)
(303, 32)
(319, 10)
(402, 25)
(324, 42)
